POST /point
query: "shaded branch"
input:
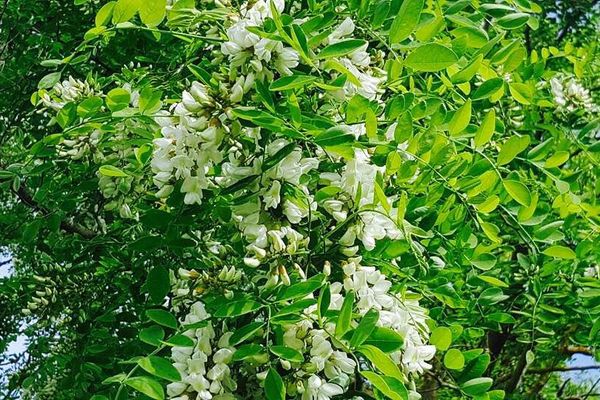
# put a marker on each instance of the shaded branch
(578, 350)
(515, 378)
(67, 226)
(562, 369)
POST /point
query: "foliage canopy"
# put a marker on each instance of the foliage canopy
(367, 199)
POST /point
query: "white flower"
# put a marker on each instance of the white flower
(415, 357)
(320, 351)
(571, 96)
(176, 388)
(192, 187)
(318, 389)
(223, 356)
(272, 196)
(294, 212)
(339, 363)
(369, 84)
(286, 59)
(360, 174)
(265, 47)
(376, 226)
(591, 272)
(344, 29)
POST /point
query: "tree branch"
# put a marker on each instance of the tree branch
(562, 369)
(515, 378)
(67, 226)
(578, 350)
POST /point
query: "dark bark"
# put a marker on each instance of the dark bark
(515, 378)
(562, 369)
(67, 226)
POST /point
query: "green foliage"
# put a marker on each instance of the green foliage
(486, 164)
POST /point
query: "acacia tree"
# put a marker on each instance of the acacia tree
(312, 200)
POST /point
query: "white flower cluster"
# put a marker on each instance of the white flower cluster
(358, 64)
(253, 54)
(592, 272)
(189, 145)
(571, 96)
(204, 148)
(328, 370)
(402, 315)
(374, 223)
(204, 369)
(64, 92)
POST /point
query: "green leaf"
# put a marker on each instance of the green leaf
(247, 351)
(334, 136)
(484, 261)
(89, 106)
(324, 300)
(385, 339)
(67, 115)
(111, 170)
(557, 159)
(237, 308)
(124, 10)
(454, 359)
(486, 130)
(488, 89)
(345, 317)
(595, 329)
(488, 205)
(513, 21)
(468, 72)
(364, 328)
(496, 394)
(117, 99)
(560, 252)
(477, 364)
(389, 386)
(287, 353)
(160, 367)
(152, 335)
(104, 14)
(502, 318)
(149, 101)
(511, 148)
(49, 80)
(381, 361)
(302, 289)
(180, 341)
(291, 82)
(245, 332)
(162, 317)
(158, 283)
(274, 387)
(147, 386)
(152, 12)
(272, 161)
(341, 48)
(406, 21)
(477, 386)
(431, 57)
(492, 281)
(460, 119)
(521, 92)
(441, 338)
(517, 191)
